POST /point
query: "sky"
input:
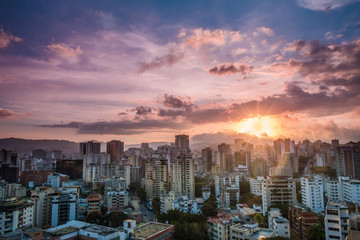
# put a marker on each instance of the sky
(143, 71)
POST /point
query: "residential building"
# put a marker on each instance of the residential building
(278, 223)
(34, 177)
(71, 167)
(354, 226)
(154, 231)
(89, 147)
(301, 218)
(156, 177)
(336, 220)
(11, 190)
(232, 196)
(256, 185)
(219, 227)
(182, 143)
(207, 157)
(117, 199)
(16, 214)
(312, 193)
(93, 202)
(278, 190)
(332, 189)
(115, 149)
(63, 207)
(93, 166)
(183, 178)
(41, 197)
(249, 232)
(56, 179)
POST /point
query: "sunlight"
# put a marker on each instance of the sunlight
(260, 126)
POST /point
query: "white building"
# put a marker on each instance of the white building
(55, 179)
(219, 227)
(15, 215)
(172, 201)
(343, 189)
(336, 220)
(277, 223)
(312, 193)
(93, 166)
(249, 232)
(256, 185)
(63, 208)
(332, 190)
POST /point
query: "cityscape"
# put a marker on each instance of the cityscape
(184, 120)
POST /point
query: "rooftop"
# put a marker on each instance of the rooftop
(150, 229)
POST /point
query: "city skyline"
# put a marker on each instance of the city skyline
(144, 71)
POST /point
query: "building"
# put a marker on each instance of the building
(207, 157)
(34, 177)
(256, 185)
(336, 220)
(82, 230)
(354, 226)
(71, 167)
(332, 189)
(117, 200)
(278, 223)
(63, 207)
(258, 168)
(301, 218)
(219, 227)
(182, 143)
(11, 190)
(94, 166)
(9, 172)
(232, 196)
(115, 149)
(89, 147)
(93, 202)
(249, 232)
(156, 177)
(154, 231)
(183, 178)
(16, 214)
(56, 179)
(312, 193)
(41, 197)
(278, 190)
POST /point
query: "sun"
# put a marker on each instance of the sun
(260, 126)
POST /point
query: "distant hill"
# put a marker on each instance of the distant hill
(27, 145)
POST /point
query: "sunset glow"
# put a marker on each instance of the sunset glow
(259, 126)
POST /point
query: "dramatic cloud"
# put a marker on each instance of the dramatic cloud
(228, 69)
(65, 51)
(6, 113)
(173, 101)
(169, 59)
(120, 127)
(6, 38)
(324, 5)
(141, 110)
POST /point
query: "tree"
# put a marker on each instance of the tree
(133, 186)
(259, 218)
(316, 232)
(244, 187)
(249, 199)
(209, 207)
(95, 217)
(100, 190)
(199, 183)
(140, 192)
(103, 210)
(284, 209)
(115, 219)
(156, 205)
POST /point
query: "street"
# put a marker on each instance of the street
(141, 208)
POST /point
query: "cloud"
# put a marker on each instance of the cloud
(126, 127)
(173, 101)
(7, 38)
(4, 113)
(324, 5)
(141, 110)
(199, 37)
(263, 30)
(122, 113)
(168, 60)
(229, 69)
(64, 51)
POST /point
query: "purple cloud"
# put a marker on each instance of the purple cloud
(229, 69)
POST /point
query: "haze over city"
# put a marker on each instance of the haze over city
(143, 71)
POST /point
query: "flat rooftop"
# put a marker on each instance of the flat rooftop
(63, 231)
(150, 229)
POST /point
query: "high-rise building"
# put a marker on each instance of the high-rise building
(256, 185)
(71, 167)
(258, 168)
(115, 149)
(63, 208)
(277, 191)
(183, 178)
(207, 157)
(93, 166)
(156, 177)
(301, 218)
(41, 197)
(238, 143)
(182, 143)
(354, 226)
(226, 161)
(89, 147)
(336, 220)
(312, 193)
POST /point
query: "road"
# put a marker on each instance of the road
(141, 208)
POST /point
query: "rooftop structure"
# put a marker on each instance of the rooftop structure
(153, 230)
